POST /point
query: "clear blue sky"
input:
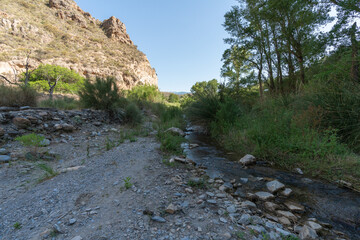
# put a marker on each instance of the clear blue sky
(182, 39)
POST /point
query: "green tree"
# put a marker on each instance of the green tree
(200, 88)
(53, 74)
(173, 98)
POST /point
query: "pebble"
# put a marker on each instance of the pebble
(158, 219)
(286, 192)
(5, 158)
(248, 204)
(3, 151)
(211, 201)
(247, 160)
(72, 221)
(77, 238)
(223, 220)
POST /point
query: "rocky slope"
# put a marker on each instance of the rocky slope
(59, 32)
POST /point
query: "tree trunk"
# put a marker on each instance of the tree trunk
(279, 77)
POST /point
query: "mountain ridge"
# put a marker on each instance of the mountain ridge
(59, 32)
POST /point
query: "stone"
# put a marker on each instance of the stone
(287, 192)
(272, 207)
(210, 194)
(299, 171)
(314, 225)
(264, 196)
(57, 229)
(158, 219)
(239, 193)
(226, 187)
(45, 143)
(176, 131)
(283, 232)
(247, 160)
(72, 221)
(68, 127)
(5, 158)
(211, 201)
(245, 219)
(2, 132)
(307, 233)
(189, 190)
(244, 180)
(284, 221)
(171, 209)
(77, 238)
(287, 214)
(306, 180)
(21, 123)
(3, 151)
(294, 207)
(231, 209)
(258, 229)
(275, 186)
(193, 145)
(223, 220)
(248, 204)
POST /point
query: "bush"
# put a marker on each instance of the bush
(133, 114)
(17, 96)
(169, 143)
(31, 140)
(173, 98)
(143, 94)
(64, 103)
(103, 94)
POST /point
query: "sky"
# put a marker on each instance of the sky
(183, 40)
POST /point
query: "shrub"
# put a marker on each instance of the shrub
(64, 103)
(143, 94)
(133, 114)
(203, 110)
(170, 143)
(31, 140)
(173, 98)
(17, 96)
(103, 94)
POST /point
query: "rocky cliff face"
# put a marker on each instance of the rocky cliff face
(59, 32)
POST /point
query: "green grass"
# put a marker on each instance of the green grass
(127, 182)
(64, 103)
(17, 226)
(49, 172)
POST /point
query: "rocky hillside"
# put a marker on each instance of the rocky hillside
(59, 32)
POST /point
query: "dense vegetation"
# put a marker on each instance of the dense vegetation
(291, 94)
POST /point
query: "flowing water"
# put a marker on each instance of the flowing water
(326, 202)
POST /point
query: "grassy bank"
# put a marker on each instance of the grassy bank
(301, 130)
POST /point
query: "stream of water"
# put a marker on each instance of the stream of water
(326, 202)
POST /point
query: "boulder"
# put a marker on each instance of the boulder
(286, 192)
(294, 207)
(275, 186)
(247, 160)
(264, 196)
(176, 131)
(5, 158)
(287, 214)
(272, 207)
(21, 123)
(307, 233)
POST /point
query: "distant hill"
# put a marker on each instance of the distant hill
(59, 32)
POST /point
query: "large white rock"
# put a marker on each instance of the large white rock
(275, 186)
(176, 131)
(264, 196)
(248, 160)
(307, 233)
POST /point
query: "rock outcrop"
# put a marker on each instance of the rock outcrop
(59, 32)
(116, 30)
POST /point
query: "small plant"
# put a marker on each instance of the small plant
(33, 142)
(197, 184)
(240, 235)
(17, 226)
(49, 172)
(109, 144)
(127, 182)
